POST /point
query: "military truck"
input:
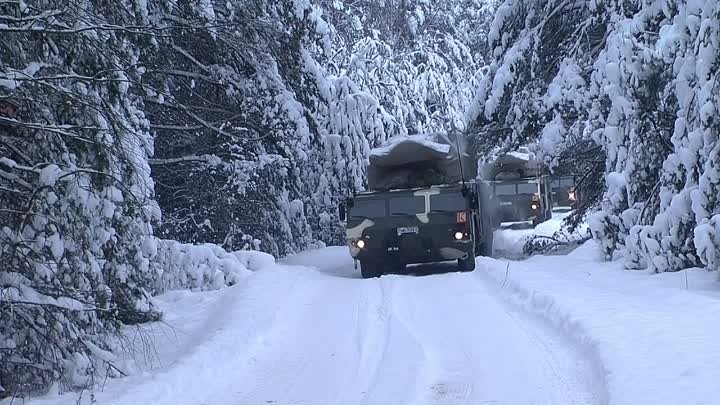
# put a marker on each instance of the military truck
(523, 200)
(419, 208)
(565, 191)
(521, 186)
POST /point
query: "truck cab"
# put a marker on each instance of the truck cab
(523, 200)
(387, 230)
(565, 191)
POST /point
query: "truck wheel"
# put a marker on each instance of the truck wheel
(466, 265)
(370, 269)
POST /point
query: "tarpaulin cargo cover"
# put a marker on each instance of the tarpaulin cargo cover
(420, 161)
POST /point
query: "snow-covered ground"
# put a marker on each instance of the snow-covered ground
(656, 336)
(546, 330)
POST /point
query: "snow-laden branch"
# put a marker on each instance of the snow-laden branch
(148, 30)
(56, 129)
(14, 178)
(212, 159)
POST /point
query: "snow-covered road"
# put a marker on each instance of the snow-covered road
(311, 332)
(435, 339)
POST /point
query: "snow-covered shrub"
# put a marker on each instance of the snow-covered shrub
(202, 267)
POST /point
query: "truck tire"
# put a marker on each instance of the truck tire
(370, 269)
(467, 264)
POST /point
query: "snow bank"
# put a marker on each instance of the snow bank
(510, 243)
(203, 267)
(653, 336)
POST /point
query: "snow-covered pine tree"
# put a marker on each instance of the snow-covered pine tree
(396, 68)
(75, 187)
(231, 121)
(635, 79)
(412, 59)
(686, 45)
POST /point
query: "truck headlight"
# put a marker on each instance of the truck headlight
(459, 235)
(360, 243)
(534, 206)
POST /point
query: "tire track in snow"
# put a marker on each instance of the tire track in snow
(370, 333)
(391, 355)
(524, 305)
(341, 344)
(441, 385)
(306, 352)
(482, 353)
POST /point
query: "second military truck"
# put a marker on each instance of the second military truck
(521, 186)
(424, 206)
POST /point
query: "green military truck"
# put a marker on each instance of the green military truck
(523, 200)
(565, 191)
(521, 186)
(388, 230)
(420, 208)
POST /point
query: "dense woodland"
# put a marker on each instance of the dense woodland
(242, 123)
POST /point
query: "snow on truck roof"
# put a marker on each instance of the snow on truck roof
(438, 186)
(425, 140)
(420, 160)
(520, 155)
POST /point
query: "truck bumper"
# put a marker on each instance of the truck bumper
(414, 251)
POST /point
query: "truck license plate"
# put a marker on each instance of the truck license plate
(407, 229)
(505, 203)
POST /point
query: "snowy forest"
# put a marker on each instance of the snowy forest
(131, 130)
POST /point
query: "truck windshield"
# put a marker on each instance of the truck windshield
(407, 205)
(527, 188)
(447, 202)
(368, 208)
(505, 189)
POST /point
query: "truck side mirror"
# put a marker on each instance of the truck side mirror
(342, 211)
